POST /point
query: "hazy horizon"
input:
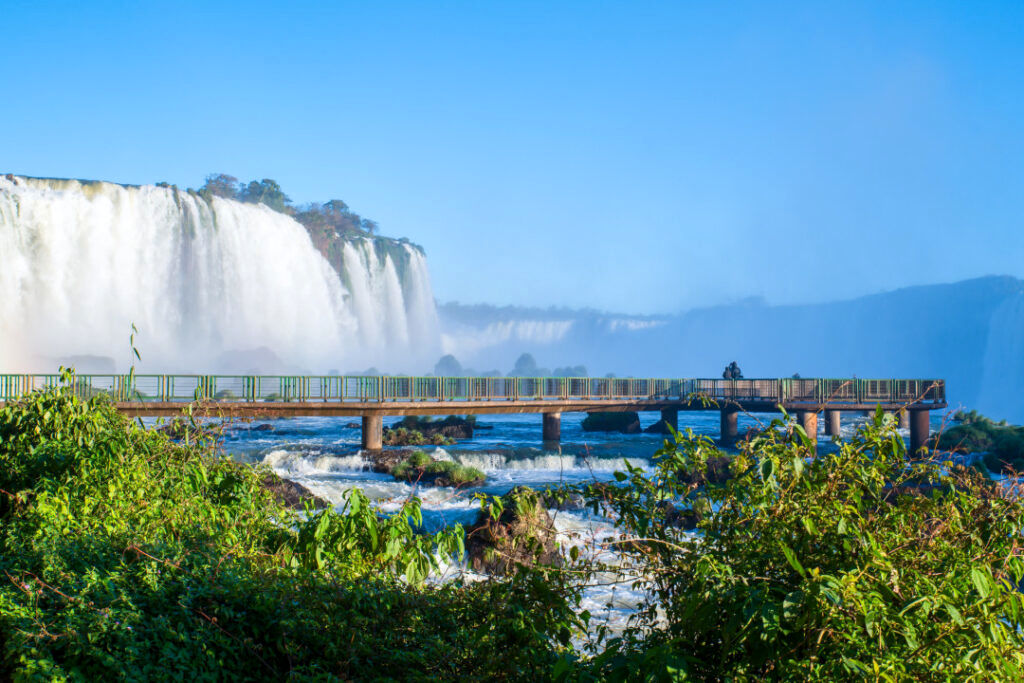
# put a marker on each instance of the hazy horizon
(646, 158)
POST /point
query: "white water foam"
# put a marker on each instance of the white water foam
(199, 278)
(548, 462)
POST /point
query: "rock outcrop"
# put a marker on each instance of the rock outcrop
(451, 427)
(416, 467)
(659, 427)
(522, 535)
(718, 472)
(624, 422)
(291, 494)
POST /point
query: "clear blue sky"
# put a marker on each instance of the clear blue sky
(642, 157)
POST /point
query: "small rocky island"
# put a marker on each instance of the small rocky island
(415, 430)
(417, 467)
(522, 534)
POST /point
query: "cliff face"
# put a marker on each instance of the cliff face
(201, 276)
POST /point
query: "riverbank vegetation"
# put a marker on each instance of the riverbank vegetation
(1002, 445)
(124, 554)
(855, 564)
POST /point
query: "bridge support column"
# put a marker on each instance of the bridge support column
(552, 426)
(832, 423)
(903, 418)
(729, 425)
(918, 430)
(670, 416)
(809, 421)
(373, 432)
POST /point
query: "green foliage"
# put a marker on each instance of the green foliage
(400, 436)
(1002, 444)
(124, 555)
(267, 192)
(849, 565)
(421, 467)
(221, 185)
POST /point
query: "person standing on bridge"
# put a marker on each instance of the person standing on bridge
(732, 371)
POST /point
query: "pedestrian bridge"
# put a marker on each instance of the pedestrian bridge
(374, 397)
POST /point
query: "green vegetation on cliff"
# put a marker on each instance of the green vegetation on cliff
(329, 224)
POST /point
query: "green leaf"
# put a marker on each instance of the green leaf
(791, 558)
(981, 582)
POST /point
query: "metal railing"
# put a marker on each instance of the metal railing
(374, 389)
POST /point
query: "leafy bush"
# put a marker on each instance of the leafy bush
(1002, 444)
(126, 555)
(421, 467)
(853, 564)
(402, 436)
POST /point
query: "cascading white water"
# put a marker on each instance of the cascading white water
(1003, 376)
(80, 262)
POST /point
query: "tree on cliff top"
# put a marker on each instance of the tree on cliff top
(221, 185)
(267, 192)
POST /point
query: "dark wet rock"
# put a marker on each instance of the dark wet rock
(451, 427)
(718, 472)
(384, 462)
(681, 517)
(291, 494)
(566, 501)
(624, 422)
(254, 428)
(659, 427)
(353, 425)
(522, 535)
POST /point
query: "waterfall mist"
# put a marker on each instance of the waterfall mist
(211, 284)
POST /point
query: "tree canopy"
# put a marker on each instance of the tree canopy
(322, 220)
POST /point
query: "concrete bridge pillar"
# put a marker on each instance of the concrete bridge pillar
(670, 416)
(552, 426)
(809, 421)
(373, 432)
(918, 430)
(903, 418)
(729, 425)
(832, 423)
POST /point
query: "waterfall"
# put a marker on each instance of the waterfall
(211, 285)
(1000, 395)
